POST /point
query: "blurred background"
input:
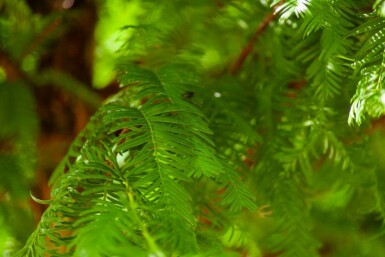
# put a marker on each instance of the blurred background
(56, 67)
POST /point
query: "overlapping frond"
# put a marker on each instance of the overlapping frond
(187, 122)
(328, 72)
(369, 65)
(284, 183)
(124, 176)
(293, 236)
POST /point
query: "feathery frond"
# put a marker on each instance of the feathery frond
(369, 64)
(132, 169)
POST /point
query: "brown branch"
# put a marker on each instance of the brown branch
(39, 39)
(249, 47)
(11, 69)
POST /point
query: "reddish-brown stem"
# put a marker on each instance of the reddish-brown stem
(39, 39)
(11, 68)
(250, 45)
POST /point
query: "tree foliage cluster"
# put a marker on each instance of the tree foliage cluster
(241, 128)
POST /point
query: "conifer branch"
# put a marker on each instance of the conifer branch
(169, 165)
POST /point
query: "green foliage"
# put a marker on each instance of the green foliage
(369, 63)
(129, 174)
(223, 106)
(17, 132)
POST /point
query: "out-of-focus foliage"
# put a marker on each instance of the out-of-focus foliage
(114, 16)
(223, 105)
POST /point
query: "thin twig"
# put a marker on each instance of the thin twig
(249, 47)
(39, 39)
(11, 69)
